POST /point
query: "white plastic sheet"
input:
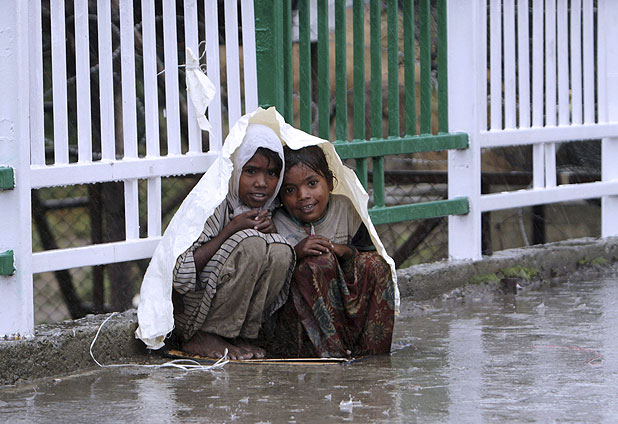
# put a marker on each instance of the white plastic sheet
(200, 88)
(155, 310)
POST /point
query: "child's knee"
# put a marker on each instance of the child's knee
(372, 260)
(281, 254)
(255, 246)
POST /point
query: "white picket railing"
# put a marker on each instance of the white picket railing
(547, 84)
(541, 91)
(119, 158)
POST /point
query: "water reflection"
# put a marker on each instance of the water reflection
(548, 355)
(465, 369)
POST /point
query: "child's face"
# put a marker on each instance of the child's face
(258, 181)
(305, 193)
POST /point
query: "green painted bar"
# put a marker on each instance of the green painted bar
(341, 83)
(323, 76)
(376, 68)
(361, 172)
(359, 69)
(304, 62)
(278, 29)
(7, 263)
(425, 59)
(375, 36)
(393, 69)
(288, 105)
(378, 182)
(7, 178)
(402, 145)
(359, 84)
(442, 68)
(269, 53)
(408, 66)
(392, 214)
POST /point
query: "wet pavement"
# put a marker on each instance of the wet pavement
(543, 355)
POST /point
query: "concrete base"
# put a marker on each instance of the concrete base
(58, 349)
(426, 281)
(65, 347)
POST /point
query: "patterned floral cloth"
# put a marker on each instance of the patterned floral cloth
(337, 310)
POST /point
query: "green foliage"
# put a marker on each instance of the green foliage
(599, 261)
(518, 271)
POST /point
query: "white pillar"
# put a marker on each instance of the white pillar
(16, 306)
(466, 79)
(608, 107)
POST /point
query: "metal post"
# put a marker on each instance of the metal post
(465, 79)
(486, 247)
(16, 310)
(269, 52)
(608, 107)
(538, 224)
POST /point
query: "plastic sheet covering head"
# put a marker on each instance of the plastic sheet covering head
(155, 310)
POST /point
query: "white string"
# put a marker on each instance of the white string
(202, 66)
(522, 228)
(183, 364)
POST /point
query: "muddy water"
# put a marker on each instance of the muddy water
(542, 355)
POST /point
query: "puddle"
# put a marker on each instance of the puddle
(543, 355)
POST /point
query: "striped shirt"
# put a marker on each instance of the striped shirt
(197, 291)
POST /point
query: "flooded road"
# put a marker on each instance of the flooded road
(542, 355)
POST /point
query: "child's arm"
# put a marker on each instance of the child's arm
(343, 251)
(250, 219)
(312, 246)
(360, 242)
(316, 245)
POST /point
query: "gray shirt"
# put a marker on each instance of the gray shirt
(340, 223)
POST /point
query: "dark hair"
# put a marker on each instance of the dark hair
(311, 156)
(271, 157)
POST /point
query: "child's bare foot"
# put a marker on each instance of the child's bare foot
(213, 346)
(258, 353)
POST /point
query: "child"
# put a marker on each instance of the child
(342, 298)
(237, 272)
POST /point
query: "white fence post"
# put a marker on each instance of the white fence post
(16, 308)
(466, 82)
(608, 107)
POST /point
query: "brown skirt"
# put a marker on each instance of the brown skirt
(337, 309)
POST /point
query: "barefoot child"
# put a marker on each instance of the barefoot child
(237, 272)
(342, 297)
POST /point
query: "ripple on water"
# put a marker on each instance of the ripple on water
(542, 355)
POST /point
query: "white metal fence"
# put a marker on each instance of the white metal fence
(47, 148)
(525, 72)
(531, 72)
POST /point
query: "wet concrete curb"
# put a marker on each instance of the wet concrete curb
(427, 281)
(59, 349)
(65, 347)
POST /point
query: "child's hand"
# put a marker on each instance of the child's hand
(313, 246)
(256, 219)
(243, 221)
(343, 251)
(264, 223)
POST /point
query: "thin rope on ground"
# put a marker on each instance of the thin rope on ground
(183, 364)
(594, 360)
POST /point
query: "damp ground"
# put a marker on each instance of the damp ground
(546, 354)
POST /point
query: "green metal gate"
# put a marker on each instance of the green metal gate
(274, 46)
